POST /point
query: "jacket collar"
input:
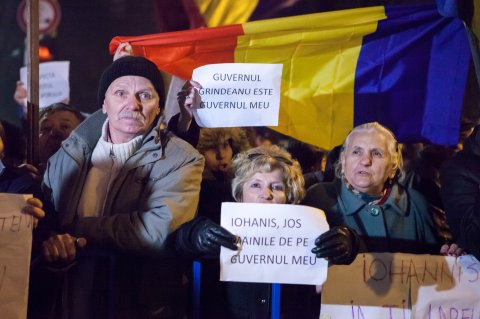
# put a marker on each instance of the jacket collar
(90, 131)
(397, 201)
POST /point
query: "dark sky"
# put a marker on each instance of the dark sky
(84, 32)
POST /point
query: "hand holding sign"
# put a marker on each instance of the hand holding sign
(34, 208)
(208, 237)
(452, 250)
(188, 100)
(124, 49)
(339, 245)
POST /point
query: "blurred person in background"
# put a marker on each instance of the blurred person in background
(311, 159)
(56, 122)
(460, 178)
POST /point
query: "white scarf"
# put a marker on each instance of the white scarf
(107, 161)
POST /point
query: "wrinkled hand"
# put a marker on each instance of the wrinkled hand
(188, 100)
(452, 250)
(62, 248)
(123, 49)
(207, 237)
(339, 245)
(34, 208)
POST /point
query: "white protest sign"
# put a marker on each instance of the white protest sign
(238, 94)
(276, 244)
(53, 80)
(383, 285)
(15, 248)
(451, 289)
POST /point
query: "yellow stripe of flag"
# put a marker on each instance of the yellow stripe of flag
(476, 18)
(223, 12)
(318, 68)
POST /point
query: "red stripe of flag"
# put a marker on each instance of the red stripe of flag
(189, 49)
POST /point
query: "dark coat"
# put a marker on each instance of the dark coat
(401, 224)
(128, 268)
(460, 177)
(14, 181)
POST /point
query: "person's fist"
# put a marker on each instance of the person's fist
(62, 248)
(123, 49)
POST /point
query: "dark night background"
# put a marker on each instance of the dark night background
(87, 26)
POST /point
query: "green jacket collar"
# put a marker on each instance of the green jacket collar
(397, 201)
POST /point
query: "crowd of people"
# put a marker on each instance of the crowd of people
(125, 202)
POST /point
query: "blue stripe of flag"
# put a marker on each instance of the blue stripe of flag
(411, 75)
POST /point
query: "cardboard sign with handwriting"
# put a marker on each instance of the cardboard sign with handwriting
(15, 248)
(383, 285)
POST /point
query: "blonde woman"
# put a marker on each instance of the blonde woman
(265, 174)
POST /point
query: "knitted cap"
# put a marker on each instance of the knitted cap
(131, 65)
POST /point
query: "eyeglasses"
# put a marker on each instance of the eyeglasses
(278, 158)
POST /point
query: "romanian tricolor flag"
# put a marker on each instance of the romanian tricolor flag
(404, 66)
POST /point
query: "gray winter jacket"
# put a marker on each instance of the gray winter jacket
(154, 193)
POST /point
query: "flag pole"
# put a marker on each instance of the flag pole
(32, 78)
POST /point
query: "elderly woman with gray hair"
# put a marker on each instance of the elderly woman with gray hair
(266, 174)
(367, 197)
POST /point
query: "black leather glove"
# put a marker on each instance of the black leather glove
(207, 237)
(339, 245)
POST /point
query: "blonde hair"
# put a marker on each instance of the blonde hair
(266, 159)
(394, 149)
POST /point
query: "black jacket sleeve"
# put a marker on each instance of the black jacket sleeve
(461, 196)
(191, 136)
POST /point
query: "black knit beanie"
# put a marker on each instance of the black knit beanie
(131, 65)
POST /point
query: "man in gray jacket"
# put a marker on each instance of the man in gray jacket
(121, 185)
